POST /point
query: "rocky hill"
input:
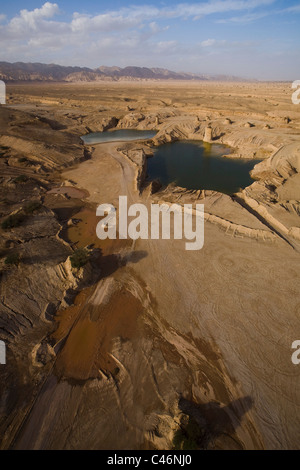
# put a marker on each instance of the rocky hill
(24, 72)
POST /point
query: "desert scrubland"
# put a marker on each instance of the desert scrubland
(148, 346)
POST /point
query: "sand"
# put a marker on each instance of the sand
(212, 327)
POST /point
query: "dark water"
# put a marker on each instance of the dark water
(119, 135)
(199, 165)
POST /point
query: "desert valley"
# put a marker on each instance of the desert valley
(140, 339)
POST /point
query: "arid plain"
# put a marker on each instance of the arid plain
(148, 346)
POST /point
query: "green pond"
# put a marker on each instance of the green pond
(199, 165)
(117, 135)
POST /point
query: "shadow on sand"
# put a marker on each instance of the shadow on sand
(111, 263)
(207, 422)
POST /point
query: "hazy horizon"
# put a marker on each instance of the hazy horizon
(213, 77)
(244, 38)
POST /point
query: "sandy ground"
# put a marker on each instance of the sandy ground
(234, 292)
(168, 333)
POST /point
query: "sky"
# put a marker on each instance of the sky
(246, 38)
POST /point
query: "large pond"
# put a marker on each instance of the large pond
(199, 165)
(117, 135)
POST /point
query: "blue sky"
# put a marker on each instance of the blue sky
(249, 38)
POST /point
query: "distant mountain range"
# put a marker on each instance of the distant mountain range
(27, 72)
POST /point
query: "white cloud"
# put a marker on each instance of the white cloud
(133, 35)
(154, 27)
(198, 10)
(208, 43)
(31, 19)
(40, 20)
(167, 46)
(249, 18)
(293, 9)
(107, 22)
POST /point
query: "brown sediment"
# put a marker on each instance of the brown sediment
(89, 343)
(86, 330)
(70, 191)
(66, 318)
(84, 233)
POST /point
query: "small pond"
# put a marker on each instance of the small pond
(199, 165)
(117, 135)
